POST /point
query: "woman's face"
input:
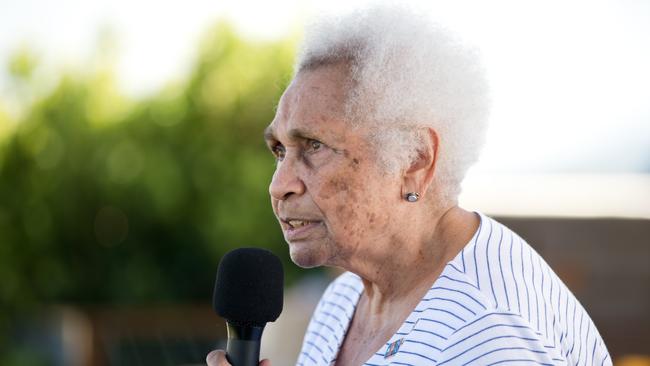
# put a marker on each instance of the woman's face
(331, 198)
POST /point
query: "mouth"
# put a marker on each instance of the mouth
(296, 229)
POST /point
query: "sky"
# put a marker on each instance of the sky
(570, 81)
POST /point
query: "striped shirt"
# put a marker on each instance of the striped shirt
(496, 303)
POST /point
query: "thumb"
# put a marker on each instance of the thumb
(265, 362)
(217, 358)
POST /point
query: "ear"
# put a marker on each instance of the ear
(419, 174)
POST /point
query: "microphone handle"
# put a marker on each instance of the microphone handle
(243, 347)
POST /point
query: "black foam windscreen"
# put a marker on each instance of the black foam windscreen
(249, 287)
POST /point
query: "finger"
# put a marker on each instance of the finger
(217, 358)
(265, 362)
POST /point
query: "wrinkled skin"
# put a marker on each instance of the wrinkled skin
(327, 173)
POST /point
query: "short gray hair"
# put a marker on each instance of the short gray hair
(406, 73)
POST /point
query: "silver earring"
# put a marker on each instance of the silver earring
(412, 196)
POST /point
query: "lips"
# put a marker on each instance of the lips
(298, 228)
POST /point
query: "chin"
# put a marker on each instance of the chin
(306, 257)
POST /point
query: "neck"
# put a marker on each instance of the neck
(393, 277)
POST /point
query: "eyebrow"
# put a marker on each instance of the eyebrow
(294, 134)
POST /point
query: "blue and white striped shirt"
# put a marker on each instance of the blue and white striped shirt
(496, 303)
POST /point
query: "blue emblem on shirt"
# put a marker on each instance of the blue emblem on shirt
(393, 348)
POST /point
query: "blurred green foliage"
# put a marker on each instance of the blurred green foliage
(22, 63)
(106, 200)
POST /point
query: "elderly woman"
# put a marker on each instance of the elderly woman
(372, 139)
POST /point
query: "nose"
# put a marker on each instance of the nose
(286, 181)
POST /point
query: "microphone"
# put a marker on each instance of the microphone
(248, 294)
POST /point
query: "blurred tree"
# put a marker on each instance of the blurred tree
(22, 63)
(104, 200)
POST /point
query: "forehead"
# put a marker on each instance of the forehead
(314, 102)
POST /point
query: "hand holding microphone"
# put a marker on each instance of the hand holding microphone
(218, 358)
(248, 294)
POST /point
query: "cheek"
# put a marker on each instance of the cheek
(354, 196)
(346, 201)
(345, 182)
(340, 187)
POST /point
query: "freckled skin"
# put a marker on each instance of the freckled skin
(333, 187)
(339, 185)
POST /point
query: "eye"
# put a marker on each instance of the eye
(279, 152)
(314, 145)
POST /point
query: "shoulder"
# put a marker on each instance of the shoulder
(496, 336)
(503, 266)
(347, 284)
(341, 296)
(527, 309)
(330, 320)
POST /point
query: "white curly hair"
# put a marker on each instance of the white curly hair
(406, 73)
